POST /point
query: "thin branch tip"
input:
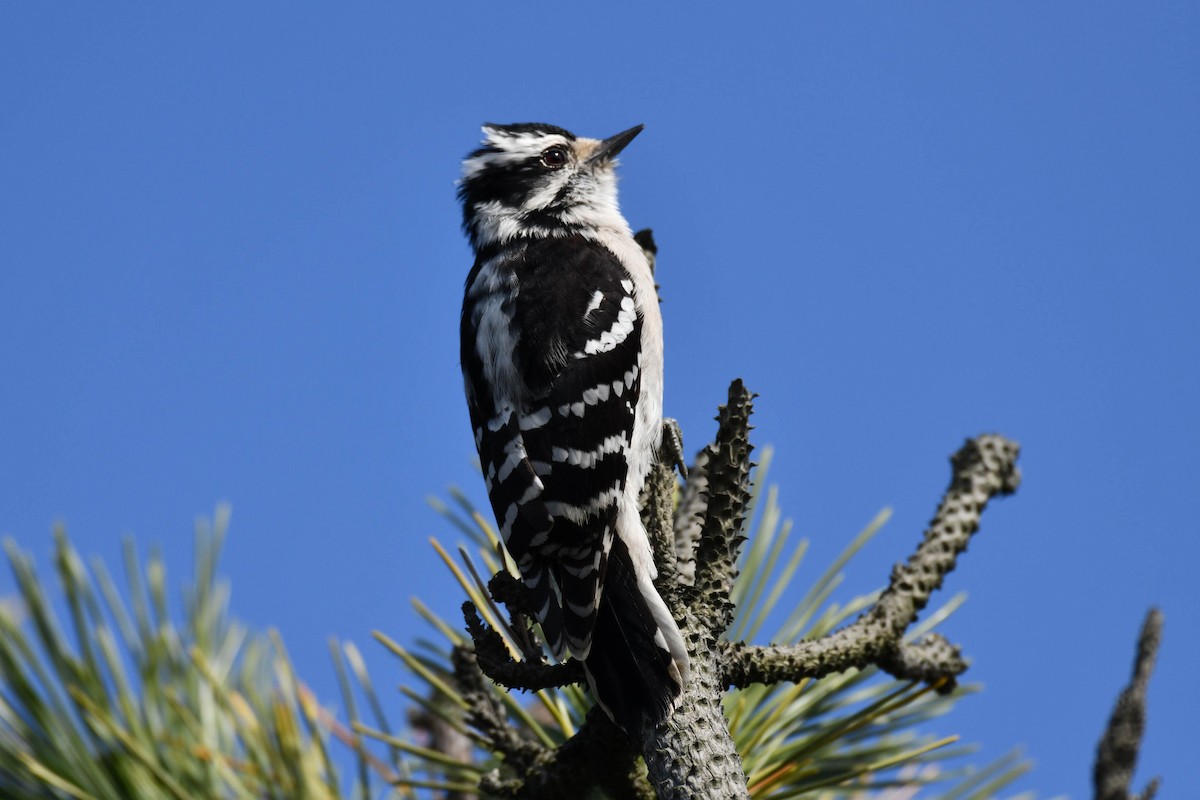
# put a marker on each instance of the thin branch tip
(493, 659)
(1119, 746)
(727, 494)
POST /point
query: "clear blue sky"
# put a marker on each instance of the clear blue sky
(230, 269)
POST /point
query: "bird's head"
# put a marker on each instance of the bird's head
(533, 179)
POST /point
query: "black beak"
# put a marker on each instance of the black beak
(607, 150)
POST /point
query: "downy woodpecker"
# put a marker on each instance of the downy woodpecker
(562, 356)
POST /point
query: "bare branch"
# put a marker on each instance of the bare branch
(486, 715)
(930, 660)
(691, 755)
(598, 755)
(493, 659)
(721, 536)
(983, 468)
(1117, 753)
(658, 506)
(689, 517)
(645, 240)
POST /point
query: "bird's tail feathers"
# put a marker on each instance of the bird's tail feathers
(579, 582)
(543, 597)
(638, 663)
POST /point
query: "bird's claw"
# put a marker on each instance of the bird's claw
(672, 446)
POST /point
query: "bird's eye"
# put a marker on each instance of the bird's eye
(554, 157)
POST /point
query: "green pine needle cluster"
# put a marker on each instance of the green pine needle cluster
(104, 696)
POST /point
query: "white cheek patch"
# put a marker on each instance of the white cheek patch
(495, 222)
(549, 192)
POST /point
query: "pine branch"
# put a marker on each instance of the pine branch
(658, 507)
(598, 755)
(691, 754)
(721, 536)
(689, 518)
(930, 660)
(984, 468)
(486, 715)
(1117, 753)
(493, 660)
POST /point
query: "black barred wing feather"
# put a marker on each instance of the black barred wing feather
(551, 349)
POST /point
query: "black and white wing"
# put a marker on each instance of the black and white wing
(551, 343)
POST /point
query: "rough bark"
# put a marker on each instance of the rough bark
(983, 468)
(692, 755)
(1117, 753)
